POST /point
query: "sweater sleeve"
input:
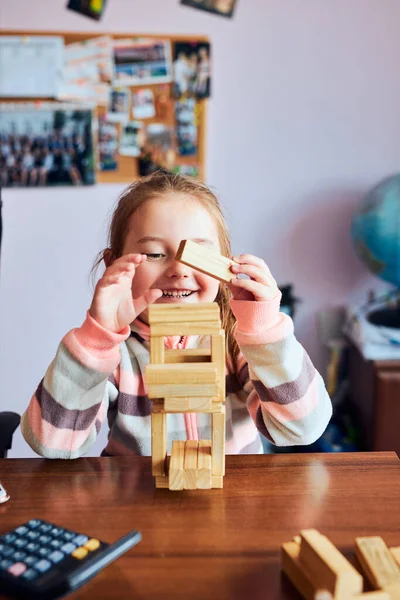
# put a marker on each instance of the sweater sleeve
(287, 397)
(65, 413)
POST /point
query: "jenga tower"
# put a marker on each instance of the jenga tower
(188, 380)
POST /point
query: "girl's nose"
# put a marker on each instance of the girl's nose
(177, 269)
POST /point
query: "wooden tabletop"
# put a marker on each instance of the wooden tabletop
(208, 544)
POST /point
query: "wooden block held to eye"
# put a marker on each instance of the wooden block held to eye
(205, 260)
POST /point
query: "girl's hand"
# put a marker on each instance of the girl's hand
(113, 306)
(261, 285)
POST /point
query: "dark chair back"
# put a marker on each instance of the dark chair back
(9, 422)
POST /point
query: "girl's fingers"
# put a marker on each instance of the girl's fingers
(255, 272)
(260, 291)
(249, 259)
(148, 297)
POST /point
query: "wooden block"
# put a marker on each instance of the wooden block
(217, 482)
(377, 595)
(190, 465)
(187, 328)
(157, 350)
(218, 442)
(393, 590)
(158, 443)
(187, 355)
(327, 567)
(395, 552)
(204, 465)
(176, 465)
(205, 260)
(181, 380)
(218, 359)
(178, 405)
(181, 390)
(377, 562)
(296, 572)
(181, 313)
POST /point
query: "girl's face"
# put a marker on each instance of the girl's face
(156, 229)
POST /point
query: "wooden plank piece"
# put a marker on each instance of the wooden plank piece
(395, 552)
(176, 465)
(296, 572)
(377, 562)
(181, 313)
(158, 443)
(181, 373)
(218, 442)
(328, 568)
(188, 328)
(190, 465)
(187, 355)
(204, 465)
(205, 260)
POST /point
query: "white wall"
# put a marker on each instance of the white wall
(304, 119)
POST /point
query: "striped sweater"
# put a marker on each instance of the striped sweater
(97, 374)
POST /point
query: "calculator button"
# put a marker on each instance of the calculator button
(44, 539)
(56, 556)
(20, 542)
(6, 550)
(9, 537)
(68, 535)
(22, 530)
(79, 553)
(30, 560)
(43, 551)
(17, 569)
(43, 565)
(5, 563)
(56, 531)
(56, 544)
(33, 523)
(45, 527)
(80, 539)
(32, 535)
(92, 544)
(19, 555)
(32, 547)
(29, 575)
(68, 548)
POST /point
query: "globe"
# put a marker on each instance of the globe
(375, 230)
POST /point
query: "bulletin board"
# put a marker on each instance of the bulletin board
(165, 99)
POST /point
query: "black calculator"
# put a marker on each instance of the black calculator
(40, 560)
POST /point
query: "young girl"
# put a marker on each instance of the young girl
(98, 371)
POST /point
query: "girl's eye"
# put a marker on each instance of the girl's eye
(155, 256)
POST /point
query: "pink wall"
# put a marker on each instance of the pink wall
(304, 119)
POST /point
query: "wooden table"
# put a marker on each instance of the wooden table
(208, 544)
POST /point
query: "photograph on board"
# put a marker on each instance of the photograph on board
(192, 69)
(143, 104)
(107, 146)
(119, 105)
(186, 130)
(142, 62)
(131, 139)
(224, 8)
(46, 144)
(89, 8)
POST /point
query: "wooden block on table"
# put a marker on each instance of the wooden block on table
(180, 380)
(157, 352)
(218, 442)
(158, 443)
(162, 482)
(393, 589)
(203, 312)
(187, 355)
(377, 561)
(188, 328)
(190, 465)
(395, 552)
(218, 358)
(217, 482)
(176, 465)
(296, 572)
(327, 567)
(204, 465)
(205, 260)
(376, 595)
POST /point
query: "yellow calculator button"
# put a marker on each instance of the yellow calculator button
(92, 544)
(79, 552)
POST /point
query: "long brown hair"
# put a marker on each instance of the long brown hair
(163, 183)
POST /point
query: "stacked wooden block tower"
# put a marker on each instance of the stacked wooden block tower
(320, 572)
(188, 380)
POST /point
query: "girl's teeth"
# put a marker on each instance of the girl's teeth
(176, 294)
